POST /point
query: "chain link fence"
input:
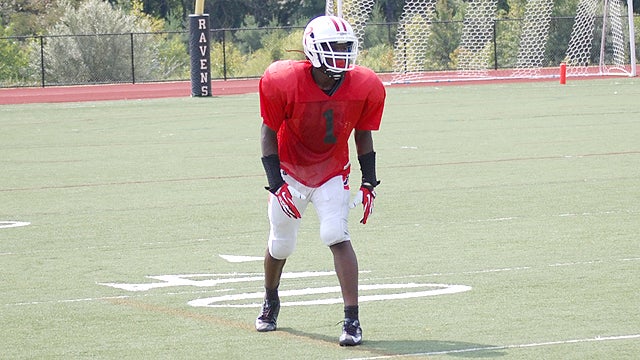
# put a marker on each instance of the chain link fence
(40, 61)
(95, 59)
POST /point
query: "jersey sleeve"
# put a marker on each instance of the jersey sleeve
(272, 99)
(374, 103)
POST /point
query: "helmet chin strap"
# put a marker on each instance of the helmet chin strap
(332, 74)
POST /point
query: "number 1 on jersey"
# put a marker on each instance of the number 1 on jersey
(329, 137)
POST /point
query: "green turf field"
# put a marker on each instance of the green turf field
(520, 200)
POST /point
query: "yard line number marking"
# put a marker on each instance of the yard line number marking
(294, 297)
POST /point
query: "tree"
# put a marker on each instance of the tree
(88, 58)
(13, 57)
(445, 35)
(164, 9)
(29, 17)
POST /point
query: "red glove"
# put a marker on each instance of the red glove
(285, 195)
(365, 196)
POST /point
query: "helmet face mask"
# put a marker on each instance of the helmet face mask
(330, 42)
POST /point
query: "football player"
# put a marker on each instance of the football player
(310, 109)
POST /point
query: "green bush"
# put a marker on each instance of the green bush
(14, 58)
(278, 46)
(89, 58)
(232, 57)
(378, 58)
(173, 57)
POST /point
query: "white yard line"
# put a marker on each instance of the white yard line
(505, 347)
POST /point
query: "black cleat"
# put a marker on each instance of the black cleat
(268, 316)
(351, 333)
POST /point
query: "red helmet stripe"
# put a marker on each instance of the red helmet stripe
(335, 23)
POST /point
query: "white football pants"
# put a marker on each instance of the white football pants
(331, 201)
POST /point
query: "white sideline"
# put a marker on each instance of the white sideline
(505, 347)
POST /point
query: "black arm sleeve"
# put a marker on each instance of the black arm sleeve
(271, 165)
(368, 168)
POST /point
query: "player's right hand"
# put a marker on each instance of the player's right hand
(285, 195)
(365, 196)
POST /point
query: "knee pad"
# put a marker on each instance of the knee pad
(281, 249)
(333, 232)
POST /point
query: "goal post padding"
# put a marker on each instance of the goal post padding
(200, 51)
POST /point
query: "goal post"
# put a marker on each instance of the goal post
(597, 38)
(616, 56)
(632, 40)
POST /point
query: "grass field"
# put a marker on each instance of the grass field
(525, 195)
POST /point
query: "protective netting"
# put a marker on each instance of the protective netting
(599, 43)
(612, 40)
(415, 24)
(356, 12)
(477, 35)
(535, 33)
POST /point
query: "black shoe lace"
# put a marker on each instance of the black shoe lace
(268, 309)
(350, 326)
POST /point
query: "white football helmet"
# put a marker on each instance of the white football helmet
(330, 41)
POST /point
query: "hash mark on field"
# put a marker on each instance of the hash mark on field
(495, 219)
(240, 259)
(11, 224)
(588, 213)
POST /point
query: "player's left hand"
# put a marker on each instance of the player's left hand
(365, 196)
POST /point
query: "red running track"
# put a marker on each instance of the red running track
(56, 94)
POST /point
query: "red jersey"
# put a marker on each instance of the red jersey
(314, 128)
